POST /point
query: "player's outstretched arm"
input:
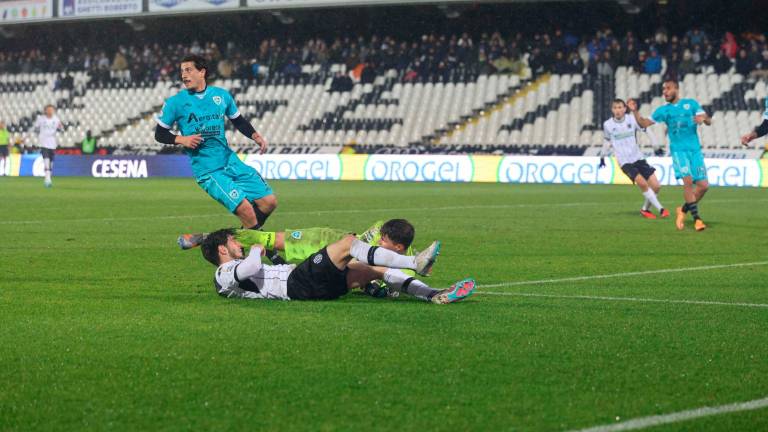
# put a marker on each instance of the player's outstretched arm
(641, 121)
(756, 133)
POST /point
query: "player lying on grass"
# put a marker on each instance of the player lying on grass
(326, 275)
(620, 131)
(297, 244)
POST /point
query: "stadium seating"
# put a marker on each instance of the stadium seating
(553, 114)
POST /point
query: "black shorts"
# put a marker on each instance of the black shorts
(317, 278)
(3, 151)
(639, 167)
(48, 153)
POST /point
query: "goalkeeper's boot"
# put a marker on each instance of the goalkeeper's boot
(189, 241)
(458, 291)
(647, 214)
(680, 218)
(664, 213)
(426, 258)
(699, 225)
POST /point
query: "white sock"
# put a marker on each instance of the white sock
(651, 196)
(646, 204)
(395, 278)
(378, 256)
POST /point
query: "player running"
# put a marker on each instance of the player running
(326, 275)
(47, 125)
(199, 112)
(682, 117)
(758, 131)
(620, 131)
(5, 145)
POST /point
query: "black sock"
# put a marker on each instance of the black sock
(685, 207)
(261, 217)
(694, 209)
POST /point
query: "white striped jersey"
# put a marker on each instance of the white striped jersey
(47, 128)
(622, 135)
(269, 282)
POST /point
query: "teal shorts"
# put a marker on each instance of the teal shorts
(689, 163)
(233, 184)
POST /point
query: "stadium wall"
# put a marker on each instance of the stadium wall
(418, 168)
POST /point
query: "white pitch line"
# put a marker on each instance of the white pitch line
(618, 275)
(656, 420)
(347, 211)
(625, 299)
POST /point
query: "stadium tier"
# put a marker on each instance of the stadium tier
(551, 114)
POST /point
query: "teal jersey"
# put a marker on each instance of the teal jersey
(681, 127)
(202, 113)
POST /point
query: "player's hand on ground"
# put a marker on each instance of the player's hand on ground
(632, 105)
(260, 141)
(189, 141)
(602, 163)
(746, 138)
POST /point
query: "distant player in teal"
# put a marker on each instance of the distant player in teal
(758, 131)
(682, 118)
(200, 112)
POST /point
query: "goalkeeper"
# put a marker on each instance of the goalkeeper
(298, 244)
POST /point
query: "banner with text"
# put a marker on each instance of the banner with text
(409, 168)
(94, 8)
(25, 10)
(191, 5)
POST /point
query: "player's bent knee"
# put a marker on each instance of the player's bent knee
(246, 214)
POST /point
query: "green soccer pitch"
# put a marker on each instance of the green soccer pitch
(586, 314)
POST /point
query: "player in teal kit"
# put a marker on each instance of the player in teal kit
(682, 118)
(200, 112)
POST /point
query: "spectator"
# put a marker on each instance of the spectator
(687, 65)
(604, 67)
(88, 144)
(652, 64)
(729, 46)
(744, 64)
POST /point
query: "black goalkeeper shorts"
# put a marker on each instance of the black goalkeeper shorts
(317, 278)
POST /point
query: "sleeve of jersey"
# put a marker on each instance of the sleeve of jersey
(167, 115)
(658, 115)
(697, 108)
(232, 111)
(606, 141)
(227, 284)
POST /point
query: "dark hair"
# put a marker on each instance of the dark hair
(210, 246)
(673, 81)
(620, 101)
(49, 105)
(199, 61)
(399, 231)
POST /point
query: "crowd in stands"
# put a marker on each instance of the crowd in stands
(431, 55)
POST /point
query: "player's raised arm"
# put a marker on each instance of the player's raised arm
(641, 121)
(251, 265)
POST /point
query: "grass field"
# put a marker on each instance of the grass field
(105, 324)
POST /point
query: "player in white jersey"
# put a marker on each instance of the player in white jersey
(325, 275)
(47, 125)
(620, 132)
